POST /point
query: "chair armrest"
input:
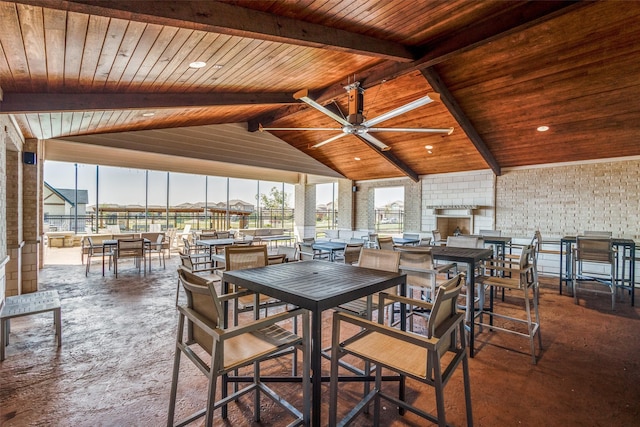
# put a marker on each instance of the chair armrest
(255, 325)
(404, 300)
(202, 322)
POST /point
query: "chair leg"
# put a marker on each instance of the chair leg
(176, 369)
(439, 386)
(530, 327)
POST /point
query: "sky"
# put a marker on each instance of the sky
(126, 186)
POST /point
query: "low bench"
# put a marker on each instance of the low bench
(25, 305)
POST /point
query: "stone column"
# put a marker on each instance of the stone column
(32, 217)
(305, 210)
(14, 206)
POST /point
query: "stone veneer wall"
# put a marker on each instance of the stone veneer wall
(455, 189)
(569, 199)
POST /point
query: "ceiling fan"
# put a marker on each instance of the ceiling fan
(356, 124)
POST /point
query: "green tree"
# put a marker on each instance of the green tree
(275, 199)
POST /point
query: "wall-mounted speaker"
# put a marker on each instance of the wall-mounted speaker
(29, 158)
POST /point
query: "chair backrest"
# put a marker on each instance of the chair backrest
(277, 259)
(444, 308)
(425, 241)
(290, 252)
(352, 252)
(597, 233)
(417, 258)
(309, 240)
(222, 234)
(379, 259)
(129, 248)
(241, 257)
(206, 236)
(203, 299)
(491, 233)
(187, 229)
(151, 236)
(594, 249)
(436, 235)
(465, 241)
(305, 251)
(385, 242)
(415, 236)
(186, 262)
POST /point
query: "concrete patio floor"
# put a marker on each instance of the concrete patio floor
(114, 366)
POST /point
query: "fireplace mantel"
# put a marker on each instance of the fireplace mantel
(453, 210)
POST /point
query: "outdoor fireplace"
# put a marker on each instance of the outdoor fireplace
(450, 218)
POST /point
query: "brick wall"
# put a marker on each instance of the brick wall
(569, 199)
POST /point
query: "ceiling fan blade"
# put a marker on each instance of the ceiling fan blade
(260, 128)
(431, 97)
(448, 131)
(375, 141)
(303, 95)
(326, 141)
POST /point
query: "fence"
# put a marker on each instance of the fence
(386, 221)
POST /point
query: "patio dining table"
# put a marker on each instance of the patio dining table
(316, 286)
(111, 243)
(329, 246)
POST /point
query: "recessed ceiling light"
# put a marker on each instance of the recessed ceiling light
(429, 151)
(429, 147)
(197, 64)
(148, 114)
(542, 128)
(356, 158)
(217, 66)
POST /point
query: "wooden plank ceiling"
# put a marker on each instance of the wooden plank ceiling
(78, 68)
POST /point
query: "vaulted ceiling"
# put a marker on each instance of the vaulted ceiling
(70, 69)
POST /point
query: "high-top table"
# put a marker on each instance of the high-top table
(469, 256)
(316, 286)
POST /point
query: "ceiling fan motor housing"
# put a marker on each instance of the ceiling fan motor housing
(356, 102)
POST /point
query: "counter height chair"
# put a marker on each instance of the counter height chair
(96, 250)
(423, 276)
(228, 349)
(376, 259)
(524, 280)
(242, 257)
(437, 238)
(351, 253)
(425, 241)
(386, 243)
(430, 359)
(130, 249)
(591, 251)
(157, 247)
(197, 265)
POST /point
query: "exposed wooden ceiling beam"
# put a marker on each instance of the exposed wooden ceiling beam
(228, 19)
(515, 17)
(51, 102)
(454, 108)
(389, 156)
